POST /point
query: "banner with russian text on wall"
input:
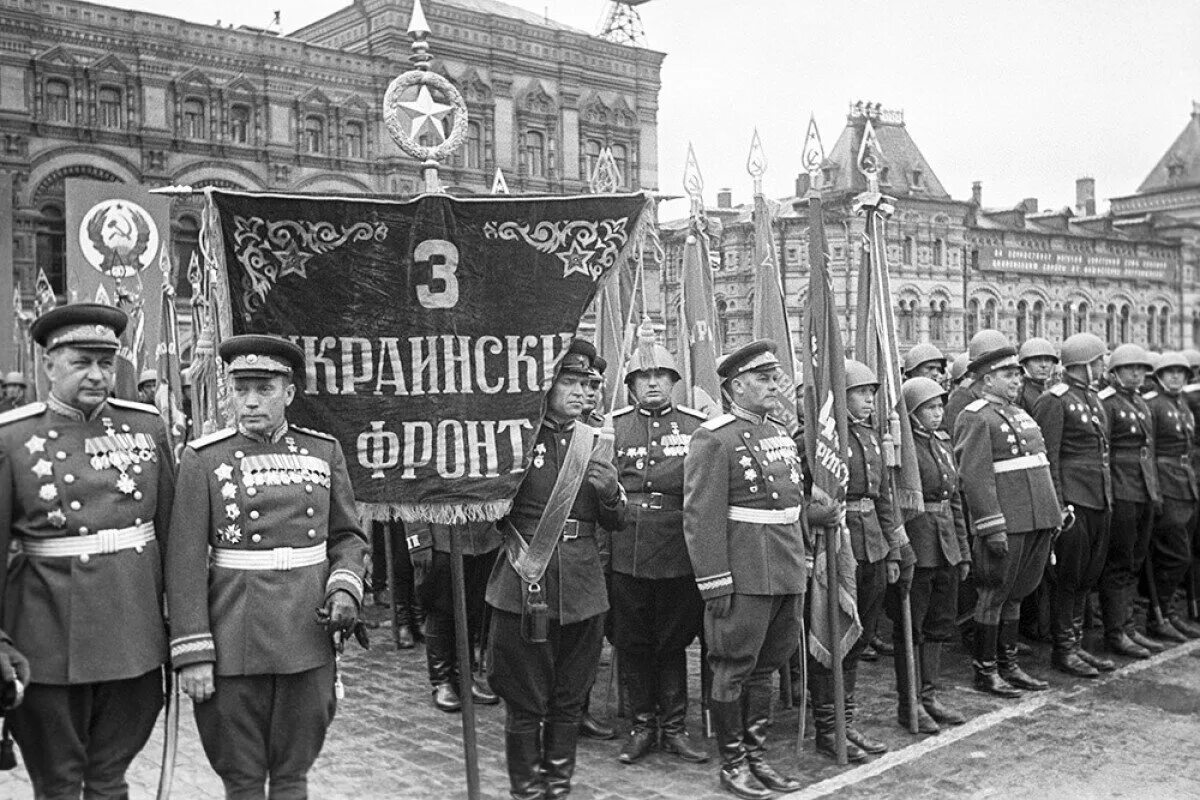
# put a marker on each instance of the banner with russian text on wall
(432, 327)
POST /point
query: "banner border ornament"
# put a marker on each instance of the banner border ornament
(575, 242)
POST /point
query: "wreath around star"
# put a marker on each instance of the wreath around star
(398, 122)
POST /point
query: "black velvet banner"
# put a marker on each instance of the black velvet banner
(432, 327)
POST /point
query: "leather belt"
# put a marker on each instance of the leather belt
(574, 529)
(863, 505)
(937, 506)
(656, 501)
(765, 516)
(1129, 455)
(279, 558)
(1021, 463)
(111, 540)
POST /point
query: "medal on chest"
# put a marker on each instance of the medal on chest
(123, 451)
(539, 455)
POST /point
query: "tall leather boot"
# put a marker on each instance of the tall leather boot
(439, 657)
(866, 744)
(637, 680)
(558, 756)
(930, 657)
(757, 701)
(987, 675)
(1009, 667)
(925, 723)
(1096, 662)
(736, 776)
(825, 720)
(592, 728)
(523, 756)
(672, 709)
(1065, 657)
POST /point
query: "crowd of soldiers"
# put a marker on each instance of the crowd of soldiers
(1046, 473)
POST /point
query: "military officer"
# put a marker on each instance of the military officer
(1038, 358)
(943, 558)
(742, 500)
(1075, 429)
(1170, 543)
(1135, 497)
(547, 588)
(926, 361)
(969, 388)
(1013, 511)
(12, 391)
(657, 609)
(86, 483)
(274, 503)
(147, 386)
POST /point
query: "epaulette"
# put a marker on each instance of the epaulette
(311, 432)
(940, 434)
(22, 412)
(133, 405)
(620, 412)
(976, 405)
(1058, 389)
(718, 422)
(1150, 395)
(1106, 392)
(1191, 387)
(692, 412)
(212, 438)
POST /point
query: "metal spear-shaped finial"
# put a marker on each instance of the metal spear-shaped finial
(870, 157)
(693, 182)
(756, 162)
(813, 155)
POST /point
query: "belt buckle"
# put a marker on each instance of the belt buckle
(656, 501)
(283, 557)
(571, 530)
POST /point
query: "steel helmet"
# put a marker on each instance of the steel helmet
(650, 356)
(921, 354)
(859, 374)
(147, 376)
(1036, 347)
(1193, 357)
(958, 367)
(1172, 360)
(1153, 358)
(1129, 355)
(988, 347)
(14, 379)
(918, 391)
(1082, 348)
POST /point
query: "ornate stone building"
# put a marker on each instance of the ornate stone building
(957, 266)
(99, 92)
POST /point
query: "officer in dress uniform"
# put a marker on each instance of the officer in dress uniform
(969, 388)
(742, 500)
(1012, 509)
(943, 558)
(86, 482)
(1170, 544)
(1038, 358)
(1135, 498)
(548, 619)
(12, 391)
(1075, 429)
(274, 504)
(657, 609)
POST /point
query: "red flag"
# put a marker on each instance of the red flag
(168, 398)
(769, 318)
(697, 327)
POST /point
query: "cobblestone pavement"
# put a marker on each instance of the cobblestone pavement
(1126, 735)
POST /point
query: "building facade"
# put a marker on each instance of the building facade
(957, 266)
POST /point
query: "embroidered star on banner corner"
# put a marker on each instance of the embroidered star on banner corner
(293, 260)
(577, 259)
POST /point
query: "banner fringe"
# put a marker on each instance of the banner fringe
(438, 513)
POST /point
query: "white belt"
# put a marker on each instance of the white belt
(765, 516)
(1021, 463)
(106, 541)
(282, 558)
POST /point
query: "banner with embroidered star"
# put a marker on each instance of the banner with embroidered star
(432, 326)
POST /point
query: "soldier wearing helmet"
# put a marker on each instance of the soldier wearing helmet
(943, 558)
(1171, 541)
(926, 361)
(1038, 359)
(969, 390)
(13, 392)
(1135, 497)
(1075, 427)
(656, 607)
(147, 386)
(1012, 509)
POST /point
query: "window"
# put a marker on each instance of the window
(426, 140)
(535, 154)
(989, 314)
(239, 124)
(1164, 320)
(1125, 314)
(58, 101)
(1110, 325)
(937, 320)
(1022, 321)
(722, 323)
(1039, 318)
(972, 321)
(1081, 318)
(314, 134)
(193, 119)
(917, 179)
(591, 156)
(1196, 330)
(939, 253)
(354, 140)
(621, 157)
(108, 107)
(187, 243)
(51, 246)
(1151, 325)
(907, 250)
(474, 145)
(906, 320)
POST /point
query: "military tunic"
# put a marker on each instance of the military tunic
(1031, 390)
(962, 395)
(1170, 543)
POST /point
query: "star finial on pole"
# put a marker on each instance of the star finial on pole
(756, 162)
(693, 182)
(499, 185)
(870, 157)
(814, 153)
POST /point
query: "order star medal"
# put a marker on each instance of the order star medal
(230, 534)
(125, 484)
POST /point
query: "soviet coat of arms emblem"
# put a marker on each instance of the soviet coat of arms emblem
(118, 238)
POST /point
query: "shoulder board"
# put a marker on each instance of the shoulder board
(1058, 389)
(1191, 388)
(1149, 395)
(1106, 392)
(942, 435)
(22, 412)
(212, 438)
(976, 405)
(718, 422)
(692, 412)
(620, 412)
(134, 406)
(311, 432)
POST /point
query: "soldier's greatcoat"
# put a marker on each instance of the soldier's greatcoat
(938, 536)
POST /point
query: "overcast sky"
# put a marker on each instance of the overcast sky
(1024, 96)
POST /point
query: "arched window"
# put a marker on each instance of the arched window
(194, 126)
(314, 134)
(972, 322)
(51, 246)
(1022, 321)
(108, 107)
(937, 320)
(722, 323)
(239, 124)
(187, 243)
(591, 155)
(1152, 326)
(621, 158)
(989, 314)
(906, 320)
(1081, 318)
(1164, 327)
(1125, 314)
(1039, 318)
(1110, 324)
(535, 154)
(1068, 320)
(474, 145)
(1196, 330)
(58, 101)
(939, 253)
(355, 140)
(906, 252)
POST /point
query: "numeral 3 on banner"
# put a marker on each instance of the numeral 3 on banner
(442, 257)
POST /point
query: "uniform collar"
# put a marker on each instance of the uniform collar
(556, 427)
(655, 412)
(995, 399)
(278, 434)
(920, 432)
(1038, 382)
(71, 412)
(749, 416)
(1072, 381)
